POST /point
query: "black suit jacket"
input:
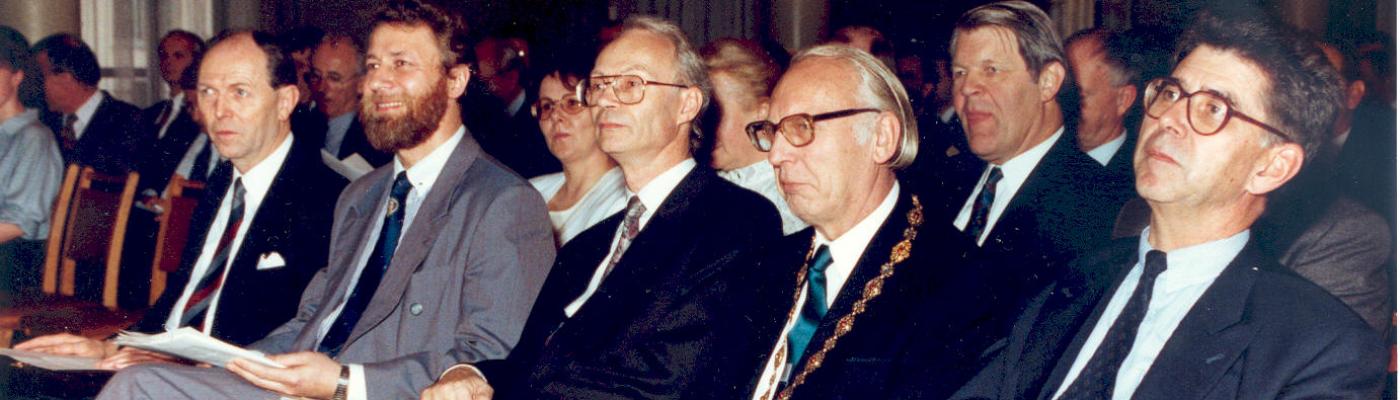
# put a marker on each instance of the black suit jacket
(157, 167)
(514, 140)
(1258, 332)
(111, 142)
(922, 337)
(658, 326)
(294, 220)
(1062, 211)
(1366, 166)
(1119, 172)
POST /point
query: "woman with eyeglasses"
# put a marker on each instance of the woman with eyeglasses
(591, 187)
(743, 75)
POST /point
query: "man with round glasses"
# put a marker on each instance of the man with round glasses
(642, 304)
(839, 127)
(1192, 308)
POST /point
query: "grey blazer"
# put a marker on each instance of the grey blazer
(458, 289)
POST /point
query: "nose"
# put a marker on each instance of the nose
(375, 80)
(782, 151)
(221, 108)
(1175, 118)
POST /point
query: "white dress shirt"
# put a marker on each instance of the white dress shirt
(256, 184)
(1013, 174)
(845, 252)
(760, 178)
(1190, 271)
(607, 196)
(1104, 153)
(422, 176)
(177, 103)
(336, 129)
(85, 113)
(651, 195)
(187, 162)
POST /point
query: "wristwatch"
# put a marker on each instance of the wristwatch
(342, 385)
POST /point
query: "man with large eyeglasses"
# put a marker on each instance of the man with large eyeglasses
(1192, 308)
(642, 304)
(860, 304)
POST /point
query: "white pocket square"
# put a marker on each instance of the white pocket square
(271, 261)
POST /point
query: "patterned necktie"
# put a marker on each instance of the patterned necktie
(1097, 378)
(203, 295)
(631, 226)
(69, 133)
(374, 269)
(813, 310)
(983, 207)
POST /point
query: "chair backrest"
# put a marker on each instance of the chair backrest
(89, 228)
(181, 198)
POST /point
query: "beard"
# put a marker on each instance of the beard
(390, 134)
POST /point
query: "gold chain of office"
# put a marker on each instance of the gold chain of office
(873, 288)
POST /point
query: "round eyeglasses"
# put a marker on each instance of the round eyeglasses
(627, 89)
(1207, 111)
(544, 108)
(797, 128)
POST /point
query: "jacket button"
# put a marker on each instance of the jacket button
(415, 309)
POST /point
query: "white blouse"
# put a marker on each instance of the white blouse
(605, 198)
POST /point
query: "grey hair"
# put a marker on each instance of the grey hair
(1035, 35)
(691, 68)
(881, 89)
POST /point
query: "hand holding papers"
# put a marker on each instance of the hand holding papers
(52, 362)
(194, 345)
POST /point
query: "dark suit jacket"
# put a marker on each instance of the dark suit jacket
(658, 326)
(515, 140)
(921, 338)
(1258, 332)
(157, 167)
(1119, 172)
(110, 142)
(294, 220)
(1366, 165)
(1063, 210)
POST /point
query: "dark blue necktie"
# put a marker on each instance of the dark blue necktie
(983, 207)
(813, 310)
(374, 269)
(1097, 379)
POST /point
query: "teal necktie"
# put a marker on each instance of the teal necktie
(813, 309)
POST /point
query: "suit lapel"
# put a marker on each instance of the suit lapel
(414, 245)
(1067, 308)
(1211, 336)
(348, 247)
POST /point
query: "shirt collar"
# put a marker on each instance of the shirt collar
(515, 105)
(1194, 265)
(656, 191)
(342, 119)
(177, 102)
(852, 244)
(423, 174)
(1104, 153)
(760, 168)
(258, 180)
(89, 107)
(12, 126)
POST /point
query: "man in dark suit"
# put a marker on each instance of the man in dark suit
(258, 236)
(1192, 309)
(635, 306)
(171, 122)
(337, 66)
(503, 103)
(93, 128)
(1036, 201)
(903, 340)
(435, 259)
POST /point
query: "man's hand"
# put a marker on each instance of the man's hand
(308, 374)
(69, 345)
(459, 384)
(129, 356)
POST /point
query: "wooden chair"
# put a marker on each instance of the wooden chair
(180, 199)
(88, 229)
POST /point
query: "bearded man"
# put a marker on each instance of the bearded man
(436, 257)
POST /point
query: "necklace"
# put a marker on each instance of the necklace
(873, 288)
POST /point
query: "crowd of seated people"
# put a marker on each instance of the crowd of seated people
(1115, 214)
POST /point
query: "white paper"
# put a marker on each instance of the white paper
(52, 362)
(192, 344)
(352, 167)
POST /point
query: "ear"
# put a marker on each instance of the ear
(1052, 75)
(457, 79)
(1127, 95)
(286, 101)
(1278, 164)
(885, 144)
(691, 98)
(1355, 92)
